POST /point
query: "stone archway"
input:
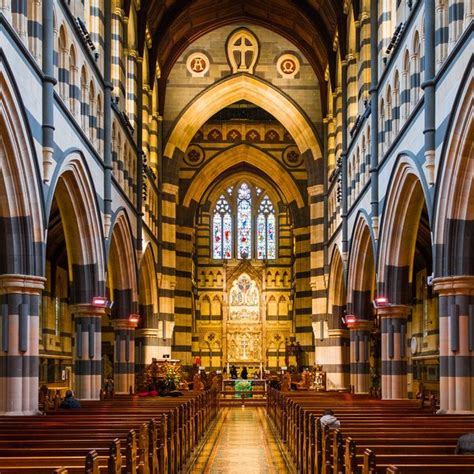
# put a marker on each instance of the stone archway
(331, 336)
(454, 268)
(75, 230)
(360, 291)
(405, 224)
(122, 288)
(21, 253)
(243, 87)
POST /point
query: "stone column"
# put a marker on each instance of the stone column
(359, 355)
(87, 351)
(456, 335)
(19, 354)
(332, 354)
(124, 365)
(167, 282)
(6, 9)
(394, 351)
(374, 117)
(48, 89)
(428, 86)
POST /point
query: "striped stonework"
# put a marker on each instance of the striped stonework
(19, 329)
(352, 60)
(363, 73)
(131, 98)
(118, 66)
(167, 283)
(155, 126)
(303, 295)
(20, 19)
(456, 334)
(329, 119)
(332, 353)
(337, 97)
(124, 365)
(87, 351)
(394, 351)
(359, 355)
(183, 296)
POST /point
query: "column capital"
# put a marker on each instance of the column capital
(123, 324)
(13, 283)
(454, 285)
(360, 325)
(394, 311)
(87, 309)
(338, 333)
(147, 332)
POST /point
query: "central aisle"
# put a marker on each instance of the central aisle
(241, 442)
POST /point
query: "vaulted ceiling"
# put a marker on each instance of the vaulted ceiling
(309, 24)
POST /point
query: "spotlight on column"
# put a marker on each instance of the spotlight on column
(349, 319)
(380, 302)
(100, 301)
(134, 318)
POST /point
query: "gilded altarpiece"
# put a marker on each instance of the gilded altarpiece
(245, 315)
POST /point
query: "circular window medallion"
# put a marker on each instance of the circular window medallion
(194, 155)
(198, 64)
(292, 157)
(288, 65)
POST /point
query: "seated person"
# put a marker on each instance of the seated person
(329, 420)
(69, 401)
(465, 444)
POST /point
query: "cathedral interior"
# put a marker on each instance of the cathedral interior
(285, 186)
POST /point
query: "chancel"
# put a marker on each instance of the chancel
(236, 235)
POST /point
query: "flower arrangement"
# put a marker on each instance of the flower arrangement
(243, 386)
(172, 376)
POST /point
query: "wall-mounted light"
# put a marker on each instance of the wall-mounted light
(349, 319)
(380, 302)
(134, 318)
(100, 301)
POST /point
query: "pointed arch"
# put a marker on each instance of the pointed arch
(148, 298)
(21, 211)
(243, 154)
(401, 216)
(122, 267)
(336, 291)
(255, 90)
(74, 194)
(361, 271)
(454, 212)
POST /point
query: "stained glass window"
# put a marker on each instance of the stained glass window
(222, 230)
(266, 245)
(244, 222)
(250, 223)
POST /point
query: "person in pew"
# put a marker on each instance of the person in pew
(69, 401)
(329, 420)
(465, 444)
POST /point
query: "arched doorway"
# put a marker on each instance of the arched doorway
(74, 299)
(410, 310)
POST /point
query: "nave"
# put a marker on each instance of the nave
(241, 441)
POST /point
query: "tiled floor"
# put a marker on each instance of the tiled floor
(241, 442)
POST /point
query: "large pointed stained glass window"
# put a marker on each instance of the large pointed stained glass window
(266, 246)
(222, 230)
(244, 222)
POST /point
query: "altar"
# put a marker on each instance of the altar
(249, 388)
(244, 332)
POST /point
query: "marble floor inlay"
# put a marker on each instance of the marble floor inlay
(241, 442)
